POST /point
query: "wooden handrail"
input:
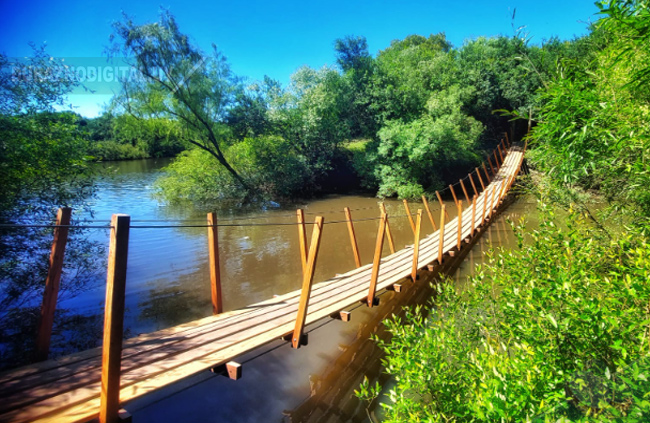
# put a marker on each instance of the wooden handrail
(441, 234)
(51, 292)
(302, 239)
(416, 246)
(409, 215)
(426, 207)
(462, 185)
(353, 237)
(307, 279)
(376, 262)
(215, 271)
(389, 234)
(118, 253)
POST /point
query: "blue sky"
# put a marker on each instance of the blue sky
(275, 38)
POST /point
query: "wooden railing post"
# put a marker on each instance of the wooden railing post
(471, 180)
(507, 140)
(426, 207)
(494, 188)
(376, 261)
(389, 234)
(51, 293)
(460, 223)
(441, 204)
(478, 172)
(353, 238)
(496, 160)
(453, 193)
(408, 214)
(307, 279)
(441, 234)
(473, 215)
(302, 239)
(485, 200)
(462, 185)
(215, 271)
(500, 152)
(502, 191)
(487, 175)
(491, 167)
(114, 319)
(416, 246)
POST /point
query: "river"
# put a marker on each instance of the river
(168, 284)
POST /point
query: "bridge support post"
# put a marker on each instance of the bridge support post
(491, 167)
(478, 173)
(492, 201)
(114, 319)
(302, 239)
(307, 279)
(51, 293)
(353, 238)
(442, 204)
(487, 175)
(416, 247)
(462, 185)
(473, 226)
(215, 271)
(389, 234)
(441, 234)
(460, 224)
(409, 215)
(453, 193)
(485, 198)
(426, 207)
(471, 180)
(379, 246)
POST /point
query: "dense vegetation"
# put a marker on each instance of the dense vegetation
(43, 166)
(558, 329)
(402, 123)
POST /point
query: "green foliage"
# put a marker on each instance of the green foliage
(402, 79)
(594, 120)
(43, 156)
(270, 162)
(43, 166)
(413, 157)
(180, 83)
(36, 84)
(114, 150)
(556, 330)
(352, 53)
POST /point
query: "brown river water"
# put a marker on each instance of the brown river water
(168, 284)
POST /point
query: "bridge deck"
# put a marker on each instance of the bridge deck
(68, 388)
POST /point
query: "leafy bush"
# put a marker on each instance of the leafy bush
(413, 157)
(555, 331)
(594, 123)
(113, 150)
(270, 162)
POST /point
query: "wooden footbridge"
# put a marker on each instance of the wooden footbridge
(97, 383)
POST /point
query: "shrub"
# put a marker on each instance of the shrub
(554, 331)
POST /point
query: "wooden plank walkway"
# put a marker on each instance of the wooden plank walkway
(68, 389)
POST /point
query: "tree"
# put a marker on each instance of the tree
(180, 82)
(405, 74)
(352, 53)
(42, 167)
